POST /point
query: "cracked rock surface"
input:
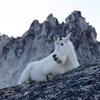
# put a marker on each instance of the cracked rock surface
(83, 83)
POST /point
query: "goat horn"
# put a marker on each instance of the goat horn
(55, 37)
(61, 36)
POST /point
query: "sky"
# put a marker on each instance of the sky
(16, 16)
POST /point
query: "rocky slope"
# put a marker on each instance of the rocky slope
(83, 83)
(37, 42)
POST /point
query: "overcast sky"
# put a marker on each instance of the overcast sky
(17, 15)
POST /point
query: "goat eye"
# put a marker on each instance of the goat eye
(62, 44)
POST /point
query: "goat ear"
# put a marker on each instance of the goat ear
(67, 37)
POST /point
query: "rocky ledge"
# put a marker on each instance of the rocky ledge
(83, 83)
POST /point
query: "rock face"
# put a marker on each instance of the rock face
(37, 43)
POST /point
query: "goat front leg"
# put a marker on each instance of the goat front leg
(50, 76)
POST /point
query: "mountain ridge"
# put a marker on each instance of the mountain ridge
(37, 43)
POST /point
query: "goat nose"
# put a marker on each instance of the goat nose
(54, 56)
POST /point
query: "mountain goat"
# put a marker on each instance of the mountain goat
(62, 59)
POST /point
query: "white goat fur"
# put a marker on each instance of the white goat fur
(66, 61)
